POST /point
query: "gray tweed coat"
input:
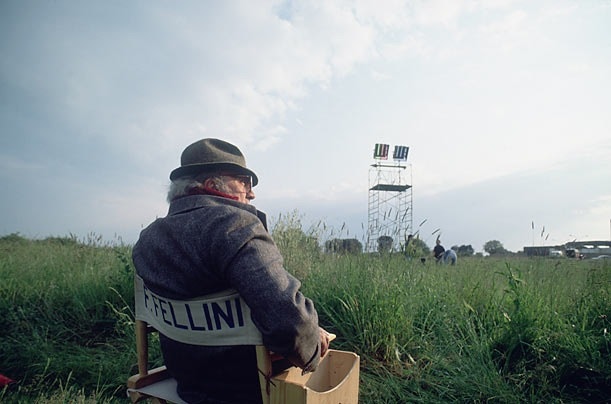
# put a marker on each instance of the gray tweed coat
(207, 244)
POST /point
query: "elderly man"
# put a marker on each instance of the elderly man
(212, 240)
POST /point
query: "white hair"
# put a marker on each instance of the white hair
(184, 186)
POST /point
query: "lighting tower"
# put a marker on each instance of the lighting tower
(390, 199)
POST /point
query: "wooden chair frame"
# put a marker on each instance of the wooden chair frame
(147, 377)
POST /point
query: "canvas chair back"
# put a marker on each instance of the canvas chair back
(224, 319)
(219, 319)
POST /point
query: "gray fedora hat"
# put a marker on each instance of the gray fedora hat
(212, 155)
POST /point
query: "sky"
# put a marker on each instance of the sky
(505, 106)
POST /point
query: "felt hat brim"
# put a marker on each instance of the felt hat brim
(191, 170)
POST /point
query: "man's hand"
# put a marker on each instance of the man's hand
(325, 340)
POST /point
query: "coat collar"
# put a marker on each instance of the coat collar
(192, 202)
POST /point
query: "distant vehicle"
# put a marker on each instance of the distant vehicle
(602, 257)
(555, 253)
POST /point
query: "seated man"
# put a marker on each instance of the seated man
(212, 240)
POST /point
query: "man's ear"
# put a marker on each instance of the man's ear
(210, 184)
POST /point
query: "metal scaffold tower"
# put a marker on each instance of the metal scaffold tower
(390, 201)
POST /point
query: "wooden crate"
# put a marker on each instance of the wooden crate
(335, 381)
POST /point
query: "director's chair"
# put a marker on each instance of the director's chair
(336, 379)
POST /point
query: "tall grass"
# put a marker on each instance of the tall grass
(487, 330)
(62, 330)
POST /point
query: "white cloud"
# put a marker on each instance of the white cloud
(510, 24)
(379, 76)
(438, 12)
(478, 89)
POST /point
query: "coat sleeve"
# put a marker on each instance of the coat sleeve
(253, 265)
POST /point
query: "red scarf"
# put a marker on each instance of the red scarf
(210, 191)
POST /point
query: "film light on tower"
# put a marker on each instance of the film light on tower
(390, 218)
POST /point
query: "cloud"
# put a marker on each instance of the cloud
(110, 93)
(510, 24)
(379, 76)
(438, 12)
(178, 78)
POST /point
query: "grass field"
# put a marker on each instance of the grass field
(488, 330)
